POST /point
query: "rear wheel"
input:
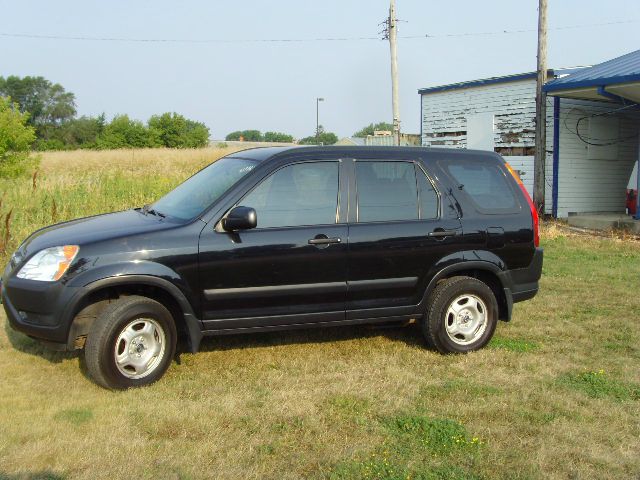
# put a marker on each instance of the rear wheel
(461, 315)
(131, 343)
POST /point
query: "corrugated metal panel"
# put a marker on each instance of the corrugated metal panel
(618, 70)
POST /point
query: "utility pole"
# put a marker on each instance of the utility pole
(393, 43)
(541, 109)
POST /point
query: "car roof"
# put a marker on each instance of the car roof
(388, 153)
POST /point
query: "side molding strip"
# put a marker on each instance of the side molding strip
(382, 283)
(309, 288)
(273, 290)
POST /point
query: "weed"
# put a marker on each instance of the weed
(441, 436)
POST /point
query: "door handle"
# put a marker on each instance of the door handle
(441, 233)
(324, 240)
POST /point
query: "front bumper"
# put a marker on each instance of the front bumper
(38, 309)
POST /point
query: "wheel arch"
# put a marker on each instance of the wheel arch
(97, 294)
(487, 272)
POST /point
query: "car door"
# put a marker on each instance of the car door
(402, 225)
(291, 268)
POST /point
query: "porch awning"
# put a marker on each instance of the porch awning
(616, 80)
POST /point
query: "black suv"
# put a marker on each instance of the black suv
(278, 238)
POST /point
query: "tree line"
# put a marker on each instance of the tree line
(50, 111)
(321, 137)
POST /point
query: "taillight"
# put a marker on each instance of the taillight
(532, 207)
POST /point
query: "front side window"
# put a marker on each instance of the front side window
(296, 195)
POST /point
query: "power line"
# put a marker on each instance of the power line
(511, 32)
(34, 36)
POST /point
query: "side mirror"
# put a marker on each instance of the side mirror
(240, 218)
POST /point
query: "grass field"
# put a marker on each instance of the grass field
(555, 395)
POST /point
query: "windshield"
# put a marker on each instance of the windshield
(197, 193)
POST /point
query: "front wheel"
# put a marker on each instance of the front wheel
(461, 316)
(131, 343)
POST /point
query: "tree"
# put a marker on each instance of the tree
(322, 137)
(80, 132)
(16, 138)
(123, 132)
(175, 131)
(48, 104)
(369, 129)
(247, 136)
(277, 137)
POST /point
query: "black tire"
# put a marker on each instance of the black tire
(119, 318)
(436, 318)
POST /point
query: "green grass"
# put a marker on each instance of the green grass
(75, 416)
(344, 403)
(600, 385)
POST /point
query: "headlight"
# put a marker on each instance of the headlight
(50, 264)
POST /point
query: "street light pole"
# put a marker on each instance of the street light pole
(318, 100)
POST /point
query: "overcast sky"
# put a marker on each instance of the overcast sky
(240, 84)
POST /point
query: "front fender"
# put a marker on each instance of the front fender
(115, 271)
(138, 273)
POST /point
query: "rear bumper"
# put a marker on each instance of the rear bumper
(525, 280)
(522, 284)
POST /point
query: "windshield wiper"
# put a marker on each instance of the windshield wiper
(146, 209)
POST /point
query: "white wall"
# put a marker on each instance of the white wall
(593, 179)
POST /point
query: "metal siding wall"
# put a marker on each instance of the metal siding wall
(513, 105)
(524, 166)
(590, 186)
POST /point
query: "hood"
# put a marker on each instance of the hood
(89, 230)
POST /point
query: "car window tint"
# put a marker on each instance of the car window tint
(485, 184)
(300, 194)
(428, 196)
(386, 191)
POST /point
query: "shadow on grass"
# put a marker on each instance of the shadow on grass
(409, 334)
(44, 475)
(25, 344)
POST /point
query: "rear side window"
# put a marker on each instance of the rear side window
(391, 191)
(485, 184)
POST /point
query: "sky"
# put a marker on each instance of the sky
(234, 81)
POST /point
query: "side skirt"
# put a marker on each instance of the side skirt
(296, 326)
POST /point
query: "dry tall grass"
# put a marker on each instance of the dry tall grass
(131, 160)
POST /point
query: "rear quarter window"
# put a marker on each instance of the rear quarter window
(485, 184)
